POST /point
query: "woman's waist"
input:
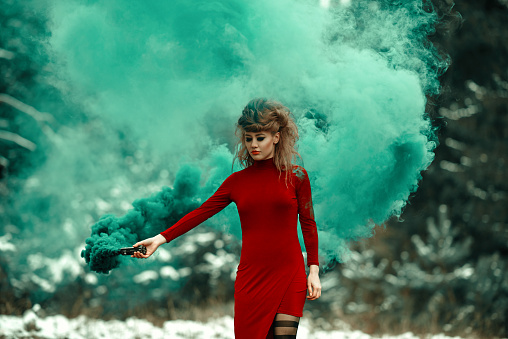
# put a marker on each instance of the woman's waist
(270, 233)
(271, 256)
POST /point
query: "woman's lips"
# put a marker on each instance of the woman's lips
(256, 152)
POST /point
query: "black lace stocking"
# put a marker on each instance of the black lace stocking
(285, 326)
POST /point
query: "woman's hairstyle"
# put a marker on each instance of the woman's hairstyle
(268, 116)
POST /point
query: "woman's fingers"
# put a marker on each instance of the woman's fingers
(317, 291)
(147, 243)
(151, 245)
(311, 291)
(140, 255)
(314, 288)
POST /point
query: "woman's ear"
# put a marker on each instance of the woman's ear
(276, 138)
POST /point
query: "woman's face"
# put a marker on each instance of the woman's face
(261, 145)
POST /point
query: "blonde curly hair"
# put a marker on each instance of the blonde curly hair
(263, 115)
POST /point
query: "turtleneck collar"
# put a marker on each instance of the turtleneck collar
(262, 164)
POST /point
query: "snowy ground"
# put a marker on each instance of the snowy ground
(55, 327)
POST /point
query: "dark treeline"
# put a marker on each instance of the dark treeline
(445, 266)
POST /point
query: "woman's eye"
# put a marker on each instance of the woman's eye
(248, 139)
(261, 139)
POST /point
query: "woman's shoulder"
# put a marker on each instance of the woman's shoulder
(298, 171)
(239, 173)
(298, 175)
(230, 178)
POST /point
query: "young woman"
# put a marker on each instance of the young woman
(270, 193)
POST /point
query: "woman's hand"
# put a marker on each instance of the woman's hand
(313, 283)
(151, 245)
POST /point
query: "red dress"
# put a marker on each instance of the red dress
(271, 275)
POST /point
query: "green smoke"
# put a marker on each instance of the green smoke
(148, 216)
(152, 215)
(176, 74)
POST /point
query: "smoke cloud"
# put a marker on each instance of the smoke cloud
(175, 75)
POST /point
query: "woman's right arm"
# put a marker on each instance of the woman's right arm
(216, 203)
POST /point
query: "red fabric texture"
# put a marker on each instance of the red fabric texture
(271, 273)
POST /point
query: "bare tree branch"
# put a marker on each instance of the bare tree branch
(5, 54)
(43, 119)
(4, 161)
(27, 109)
(17, 139)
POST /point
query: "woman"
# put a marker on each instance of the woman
(270, 193)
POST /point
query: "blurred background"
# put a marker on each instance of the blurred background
(439, 268)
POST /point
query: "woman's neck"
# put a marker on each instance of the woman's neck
(265, 163)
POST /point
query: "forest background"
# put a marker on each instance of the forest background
(445, 270)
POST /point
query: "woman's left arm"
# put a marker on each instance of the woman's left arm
(310, 234)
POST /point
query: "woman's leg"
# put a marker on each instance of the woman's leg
(285, 326)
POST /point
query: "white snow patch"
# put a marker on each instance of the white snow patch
(205, 238)
(91, 279)
(169, 272)
(58, 326)
(5, 245)
(66, 265)
(145, 277)
(184, 272)
(163, 255)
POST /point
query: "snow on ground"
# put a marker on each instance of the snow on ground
(56, 327)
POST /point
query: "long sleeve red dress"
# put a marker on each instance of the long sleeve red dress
(271, 275)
